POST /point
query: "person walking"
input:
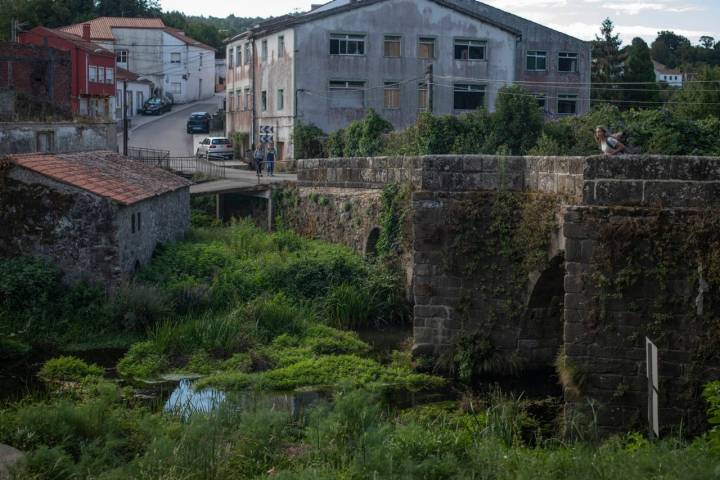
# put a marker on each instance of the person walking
(270, 159)
(258, 157)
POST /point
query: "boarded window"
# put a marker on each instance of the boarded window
(341, 44)
(468, 97)
(423, 96)
(392, 95)
(568, 62)
(426, 47)
(347, 94)
(536, 61)
(567, 104)
(469, 50)
(393, 45)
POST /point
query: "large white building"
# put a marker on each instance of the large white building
(329, 66)
(176, 64)
(671, 76)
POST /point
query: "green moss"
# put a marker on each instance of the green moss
(68, 369)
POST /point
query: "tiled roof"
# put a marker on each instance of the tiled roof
(180, 35)
(74, 39)
(105, 174)
(101, 27)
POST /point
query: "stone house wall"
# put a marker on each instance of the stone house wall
(56, 137)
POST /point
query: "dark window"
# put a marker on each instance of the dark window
(393, 46)
(281, 46)
(121, 56)
(263, 100)
(568, 62)
(469, 97)
(347, 44)
(542, 101)
(264, 51)
(139, 222)
(469, 50)
(220, 141)
(132, 221)
(536, 61)
(567, 104)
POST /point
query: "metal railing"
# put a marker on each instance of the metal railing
(182, 165)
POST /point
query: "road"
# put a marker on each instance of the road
(168, 132)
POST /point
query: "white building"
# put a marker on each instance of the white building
(176, 64)
(671, 76)
(138, 91)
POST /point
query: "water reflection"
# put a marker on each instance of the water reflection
(185, 401)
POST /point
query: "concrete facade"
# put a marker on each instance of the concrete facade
(57, 137)
(388, 71)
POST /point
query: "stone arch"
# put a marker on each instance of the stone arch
(541, 328)
(371, 242)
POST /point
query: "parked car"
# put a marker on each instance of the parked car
(156, 106)
(199, 122)
(215, 147)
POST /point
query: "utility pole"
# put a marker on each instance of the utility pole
(13, 30)
(125, 119)
(429, 82)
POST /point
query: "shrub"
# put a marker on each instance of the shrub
(274, 316)
(349, 307)
(12, 348)
(142, 361)
(518, 120)
(712, 396)
(68, 369)
(308, 141)
(138, 306)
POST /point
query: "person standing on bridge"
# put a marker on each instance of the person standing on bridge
(270, 159)
(258, 158)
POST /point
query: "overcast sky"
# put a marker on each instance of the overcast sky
(581, 18)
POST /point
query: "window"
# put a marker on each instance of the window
(45, 141)
(230, 56)
(347, 94)
(264, 51)
(238, 100)
(231, 101)
(468, 97)
(423, 96)
(392, 95)
(281, 99)
(470, 50)
(567, 104)
(536, 61)
(92, 73)
(542, 100)
(426, 48)
(347, 44)
(281, 46)
(175, 57)
(109, 75)
(139, 221)
(568, 62)
(201, 59)
(132, 221)
(263, 101)
(393, 46)
(247, 54)
(176, 87)
(247, 105)
(121, 56)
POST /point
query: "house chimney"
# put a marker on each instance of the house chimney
(86, 31)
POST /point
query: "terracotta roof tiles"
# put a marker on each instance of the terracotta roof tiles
(105, 174)
(101, 27)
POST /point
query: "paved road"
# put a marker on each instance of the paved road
(168, 132)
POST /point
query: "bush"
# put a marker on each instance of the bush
(308, 141)
(138, 306)
(69, 369)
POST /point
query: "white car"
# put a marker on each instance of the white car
(215, 147)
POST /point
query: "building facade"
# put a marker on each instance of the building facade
(136, 91)
(673, 77)
(92, 84)
(179, 66)
(96, 216)
(329, 66)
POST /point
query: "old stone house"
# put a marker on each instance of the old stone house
(96, 215)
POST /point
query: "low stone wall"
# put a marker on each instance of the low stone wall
(363, 173)
(61, 137)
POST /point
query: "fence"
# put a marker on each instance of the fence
(182, 165)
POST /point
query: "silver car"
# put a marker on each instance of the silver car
(215, 147)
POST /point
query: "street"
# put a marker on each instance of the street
(168, 132)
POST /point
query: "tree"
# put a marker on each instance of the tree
(707, 42)
(700, 100)
(518, 119)
(639, 69)
(128, 8)
(670, 49)
(607, 62)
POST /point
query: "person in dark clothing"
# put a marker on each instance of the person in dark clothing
(270, 159)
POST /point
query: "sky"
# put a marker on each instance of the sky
(580, 18)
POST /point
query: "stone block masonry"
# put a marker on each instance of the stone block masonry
(530, 260)
(56, 137)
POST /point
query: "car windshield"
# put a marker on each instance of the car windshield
(197, 117)
(220, 141)
(154, 101)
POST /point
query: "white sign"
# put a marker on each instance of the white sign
(651, 352)
(266, 129)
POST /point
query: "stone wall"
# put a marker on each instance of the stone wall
(59, 137)
(72, 229)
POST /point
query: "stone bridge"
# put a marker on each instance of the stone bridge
(530, 265)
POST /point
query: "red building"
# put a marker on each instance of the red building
(92, 83)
